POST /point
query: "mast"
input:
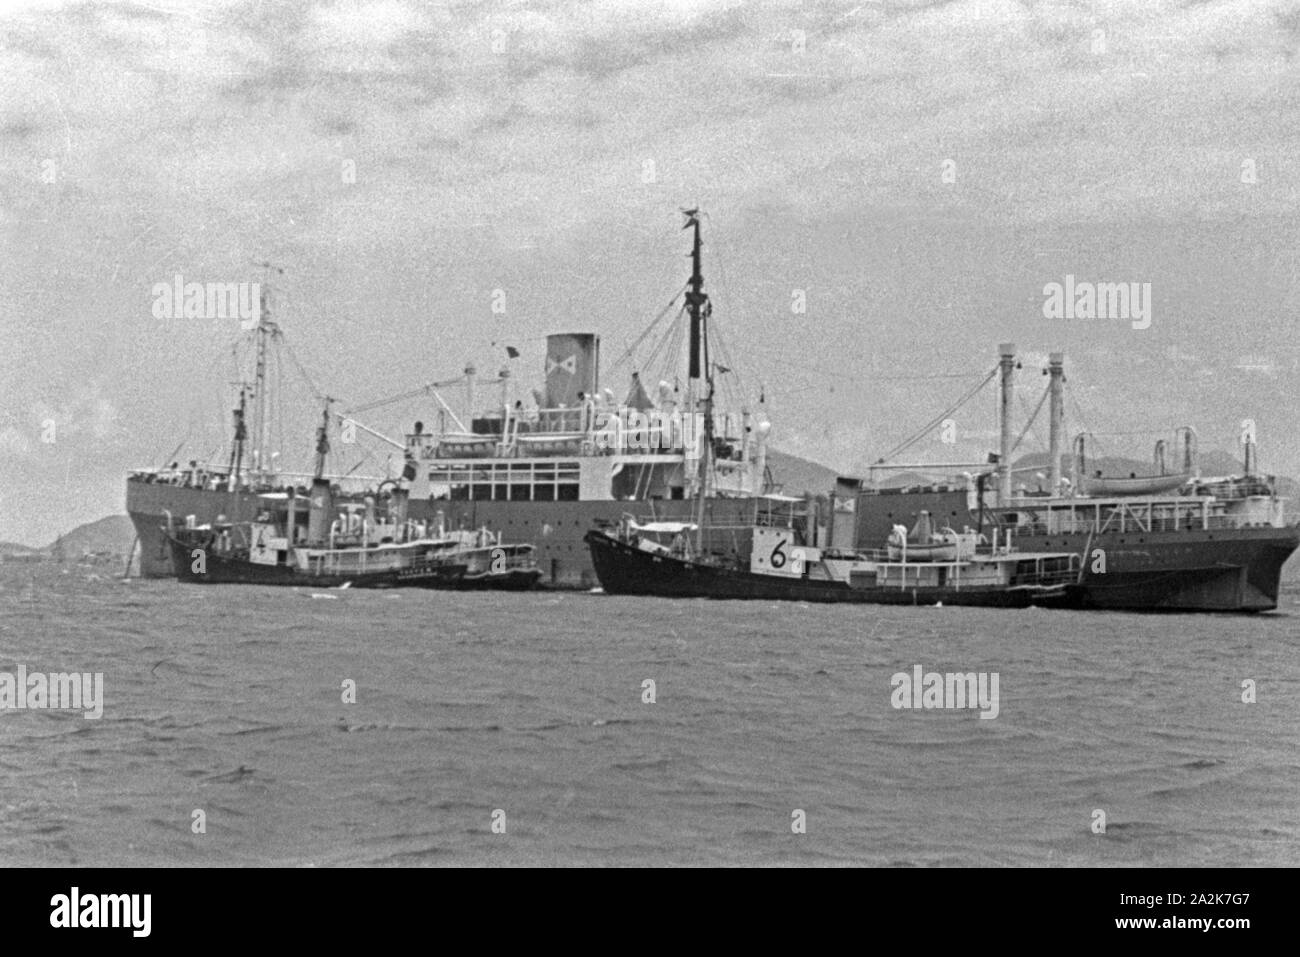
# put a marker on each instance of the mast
(1056, 369)
(697, 302)
(241, 436)
(1008, 365)
(323, 439)
(259, 381)
(265, 330)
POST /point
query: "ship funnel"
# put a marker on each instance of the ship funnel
(572, 366)
(397, 506)
(320, 511)
(844, 500)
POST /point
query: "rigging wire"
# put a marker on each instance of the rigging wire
(1032, 419)
(293, 358)
(666, 348)
(733, 390)
(279, 406)
(921, 433)
(650, 328)
(1079, 409)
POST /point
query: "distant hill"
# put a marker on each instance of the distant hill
(796, 476)
(12, 551)
(15, 547)
(113, 534)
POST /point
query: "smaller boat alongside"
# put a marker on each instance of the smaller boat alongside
(290, 544)
(488, 562)
(658, 559)
(308, 540)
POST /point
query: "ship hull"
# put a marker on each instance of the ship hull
(1228, 570)
(624, 569)
(1184, 570)
(505, 581)
(1198, 570)
(222, 570)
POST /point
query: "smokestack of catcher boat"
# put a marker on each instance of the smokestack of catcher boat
(397, 506)
(320, 511)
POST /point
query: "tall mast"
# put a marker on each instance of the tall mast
(1056, 407)
(241, 436)
(697, 302)
(259, 380)
(323, 439)
(1008, 365)
(265, 330)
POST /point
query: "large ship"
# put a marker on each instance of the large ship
(539, 469)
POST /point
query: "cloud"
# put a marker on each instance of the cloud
(15, 444)
(507, 145)
(87, 416)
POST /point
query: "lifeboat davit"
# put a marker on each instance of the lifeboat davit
(923, 544)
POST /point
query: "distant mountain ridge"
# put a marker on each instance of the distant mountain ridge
(795, 475)
(113, 534)
(17, 548)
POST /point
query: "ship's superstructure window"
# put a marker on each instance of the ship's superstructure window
(540, 481)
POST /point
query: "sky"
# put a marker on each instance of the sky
(888, 188)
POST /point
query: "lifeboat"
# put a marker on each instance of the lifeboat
(549, 444)
(467, 446)
(923, 544)
(1135, 484)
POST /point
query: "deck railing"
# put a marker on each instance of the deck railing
(1130, 524)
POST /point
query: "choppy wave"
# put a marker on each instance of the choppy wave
(231, 701)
